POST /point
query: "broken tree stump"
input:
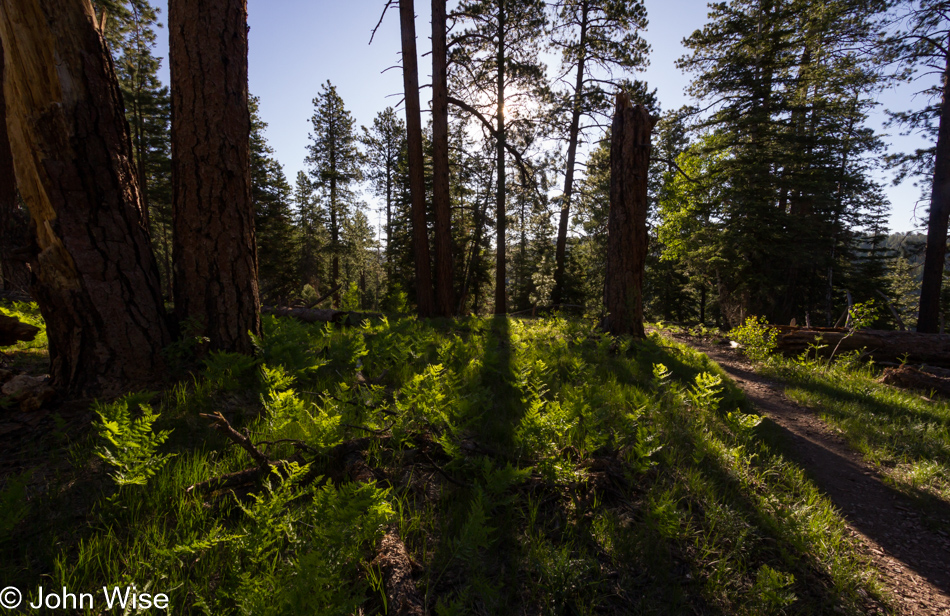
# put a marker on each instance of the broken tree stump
(627, 220)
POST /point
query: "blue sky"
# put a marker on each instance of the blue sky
(296, 45)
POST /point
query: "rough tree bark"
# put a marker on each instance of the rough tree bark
(444, 291)
(420, 235)
(627, 220)
(928, 319)
(96, 280)
(13, 225)
(215, 253)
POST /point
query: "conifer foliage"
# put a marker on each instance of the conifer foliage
(335, 166)
(785, 144)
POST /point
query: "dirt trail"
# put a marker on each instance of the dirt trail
(914, 561)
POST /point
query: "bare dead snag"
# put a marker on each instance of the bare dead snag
(627, 220)
(401, 593)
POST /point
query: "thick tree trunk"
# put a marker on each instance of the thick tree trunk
(215, 254)
(928, 319)
(560, 251)
(96, 280)
(13, 226)
(444, 290)
(501, 211)
(627, 220)
(420, 235)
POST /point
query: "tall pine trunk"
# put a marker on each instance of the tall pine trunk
(96, 280)
(420, 235)
(215, 254)
(928, 319)
(444, 291)
(501, 211)
(627, 219)
(560, 251)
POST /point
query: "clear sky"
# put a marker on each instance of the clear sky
(296, 45)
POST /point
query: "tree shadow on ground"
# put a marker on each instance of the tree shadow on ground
(880, 512)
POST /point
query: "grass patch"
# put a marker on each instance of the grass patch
(530, 467)
(905, 435)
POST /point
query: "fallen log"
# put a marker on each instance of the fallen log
(903, 346)
(909, 377)
(321, 315)
(13, 330)
(395, 565)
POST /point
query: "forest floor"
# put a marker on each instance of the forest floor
(898, 535)
(478, 466)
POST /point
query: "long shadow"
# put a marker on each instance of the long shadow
(873, 407)
(496, 431)
(880, 512)
(815, 582)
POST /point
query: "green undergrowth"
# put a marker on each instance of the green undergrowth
(529, 467)
(903, 433)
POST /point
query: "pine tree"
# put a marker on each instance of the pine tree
(790, 95)
(335, 165)
(441, 208)
(273, 220)
(97, 282)
(425, 300)
(596, 38)
(923, 45)
(130, 31)
(385, 145)
(496, 70)
(312, 235)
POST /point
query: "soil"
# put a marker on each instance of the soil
(898, 535)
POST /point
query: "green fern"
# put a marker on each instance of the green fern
(130, 444)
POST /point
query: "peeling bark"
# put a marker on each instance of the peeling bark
(96, 280)
(13, 225)
(215, 252)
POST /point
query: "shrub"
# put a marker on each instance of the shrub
(756, 338)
